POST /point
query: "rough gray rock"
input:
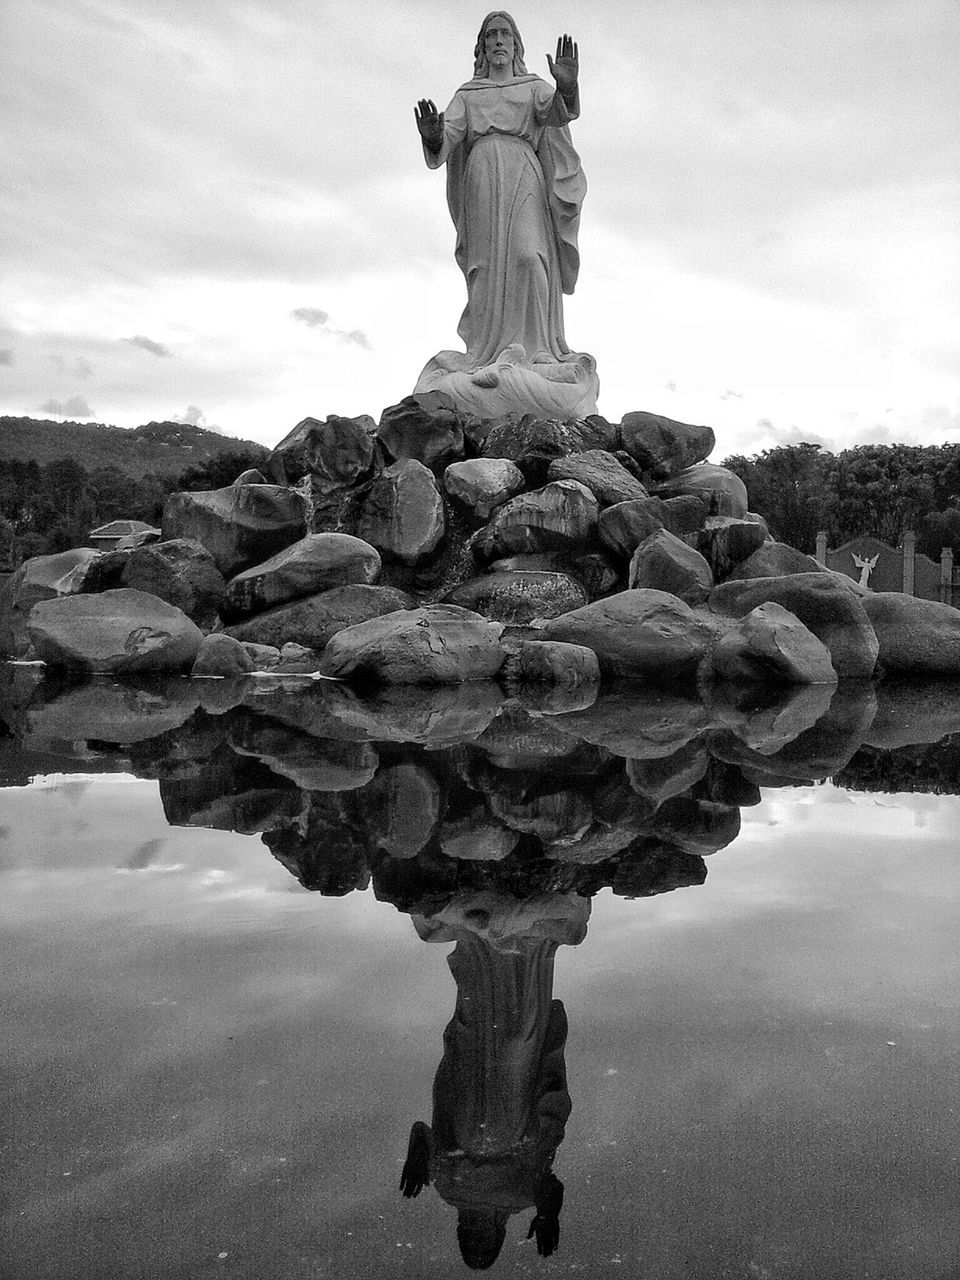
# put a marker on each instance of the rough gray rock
(182, 572)
(663, 446)
(916, 636)
(625, 525)
(221, 655)
(432, 437)
(824, 605)
(771, 644)
(666, 563)
(562, 666)
(312, 621)
(562, 517)
(725, 541)
(239, 525)
(483, 484)
(774, 559)
(43, 578)
(606, 478)
(340, 450)
(638, 633)
(402, 809)
(314, 564)
(403, 512)
(722, 492)
(436, 644)
(120, 632)
(518, 597)
(533, 443)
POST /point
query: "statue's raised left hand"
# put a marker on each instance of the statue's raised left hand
(565, 69)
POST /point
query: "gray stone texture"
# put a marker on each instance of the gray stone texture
(725, 541)
(182, 572)
(770, 644)
(774, 559)
(518, 597)
(722, 492)
(663, 446)
(340, 450)
(606, 478)
(916, 636)
(638, 633)
(433, 437)
(403, 513)
(666, 563)
(116, 632)
(533, 443)
(560, 517)
(314, 564)
(436, 644)
(835, 615)
(313, 620)
(483, 484)
(239, 526)
(221, 655)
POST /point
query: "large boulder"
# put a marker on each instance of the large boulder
(722, 492)
(725, 541)
(607, 479)
(662, 446)
(774, 559)
(533, 443)
(916, 636)
(305, 568)
(623, 526)
(436, 644)
(823, 604)
(666, 563)
(638, 633)
(562, 516)
(483, 484)
(120, 632)
(42, 578)
(312, 621)
(572, 667)
(770, 644)
(182, 572)
(238, 525)
(594, 569)
(403, 512)
(518, 597)
(339, 450)
(431, 436)
(221, 655)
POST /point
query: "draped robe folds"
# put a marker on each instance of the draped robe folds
(514, 190)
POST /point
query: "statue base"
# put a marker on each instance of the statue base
(562, 389)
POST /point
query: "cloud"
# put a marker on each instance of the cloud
(6, 356)
(148, 344)
(72, 407)
(310, 316)
(193, 416)
(314, 318)
(78, 368)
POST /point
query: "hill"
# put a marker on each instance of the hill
(161, 448)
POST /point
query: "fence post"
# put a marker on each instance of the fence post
(946, 575)
(909, 558)
(821, 546)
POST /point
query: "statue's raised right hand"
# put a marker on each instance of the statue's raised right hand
(430, 123)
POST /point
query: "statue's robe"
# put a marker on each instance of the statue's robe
(514, 188)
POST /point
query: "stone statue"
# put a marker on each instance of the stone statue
(514, 190)
(865, 566)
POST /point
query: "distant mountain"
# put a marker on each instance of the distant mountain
(159, 447)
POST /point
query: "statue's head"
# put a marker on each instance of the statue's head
(480, 1235)
(499, 37)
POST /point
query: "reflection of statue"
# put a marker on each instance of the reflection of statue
(500, 1099)
(865, 566)
(514, 189)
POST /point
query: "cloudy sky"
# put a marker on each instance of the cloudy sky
(219, 212)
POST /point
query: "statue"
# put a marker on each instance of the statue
(865, 566)
(514, 190)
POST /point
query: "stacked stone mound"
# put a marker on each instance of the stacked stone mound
(434, 548)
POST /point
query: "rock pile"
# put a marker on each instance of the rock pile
(434, 548)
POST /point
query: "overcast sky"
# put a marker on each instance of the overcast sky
(218, 210)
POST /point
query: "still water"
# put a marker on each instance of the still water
(697, 968)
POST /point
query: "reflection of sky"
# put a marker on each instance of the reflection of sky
(205, 1059)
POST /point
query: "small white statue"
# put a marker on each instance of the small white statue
(865, 566)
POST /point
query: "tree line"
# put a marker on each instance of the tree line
(877, 490)
(53, 506)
